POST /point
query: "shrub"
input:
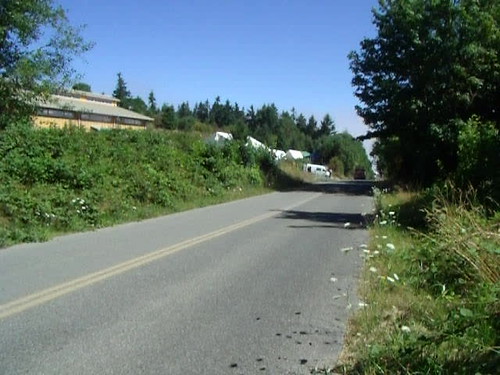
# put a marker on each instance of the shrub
(59, 180)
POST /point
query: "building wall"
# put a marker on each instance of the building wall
(47, 122)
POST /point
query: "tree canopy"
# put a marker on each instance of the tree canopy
(37, 46)
(432, 66)
(82, 86)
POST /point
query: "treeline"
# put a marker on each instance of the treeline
(280, 130)
(284, 130)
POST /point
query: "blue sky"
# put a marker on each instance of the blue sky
(289, 52)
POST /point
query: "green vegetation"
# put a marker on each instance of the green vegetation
(342, 153)
(429, 88)
(37, 46)
(61, 180)
(427, 83)
(431, 294)
(286, 130)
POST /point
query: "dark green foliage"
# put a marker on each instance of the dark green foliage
(184, 110)
(152, 108)
(121, 91)
(82, 86)
(432, 66)
(278, 131)
(327, 126)
(58, 180)
(167, 117)
(345, 153)
(478, 158)
(136, 104)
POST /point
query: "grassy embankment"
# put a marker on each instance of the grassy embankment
(65, 180)
(430, 289)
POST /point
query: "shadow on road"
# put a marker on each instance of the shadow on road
(340, 187)
(328, 219)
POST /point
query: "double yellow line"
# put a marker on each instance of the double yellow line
(49, 294)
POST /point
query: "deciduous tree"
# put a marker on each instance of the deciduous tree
(37, 47)
(432, 65)
(82, 86)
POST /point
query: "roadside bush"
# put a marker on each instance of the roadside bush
(478, 161)
(60, 180)
(431, 297)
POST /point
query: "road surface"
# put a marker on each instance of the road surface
(260, 285)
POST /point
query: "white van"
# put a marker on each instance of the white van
(317, 169)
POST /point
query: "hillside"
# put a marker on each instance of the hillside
(62, 180)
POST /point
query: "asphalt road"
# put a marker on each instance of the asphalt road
(260, 285)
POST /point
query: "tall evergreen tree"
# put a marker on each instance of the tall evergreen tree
(301, 123)
(327, 126)
(184, 110)
(312, 127)
(168, 119)
(121, 92)
(152, 108)
(202, 111)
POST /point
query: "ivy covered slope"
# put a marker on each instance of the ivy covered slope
(62, 180)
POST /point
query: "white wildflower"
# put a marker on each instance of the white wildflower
(392, 213)
(384, 237)
(383, 222)
(390, 279)
(373, 269)
(366, 251)
(376, 252)
(405, 329)
(396, 277)
(362, 304)
(391, 246)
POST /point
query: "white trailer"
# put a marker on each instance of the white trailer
(317, 169)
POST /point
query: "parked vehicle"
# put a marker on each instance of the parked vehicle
(317, 169)
(359, 173)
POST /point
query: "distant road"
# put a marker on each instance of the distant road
(260, 285)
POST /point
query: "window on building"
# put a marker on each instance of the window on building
(56, 113)
(128, 121)
(96, 118)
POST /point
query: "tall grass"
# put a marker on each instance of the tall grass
(431, 294)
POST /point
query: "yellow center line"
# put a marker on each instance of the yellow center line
(49, 294)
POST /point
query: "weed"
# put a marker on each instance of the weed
(432, 295)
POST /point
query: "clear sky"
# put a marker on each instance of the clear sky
(289, 52)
